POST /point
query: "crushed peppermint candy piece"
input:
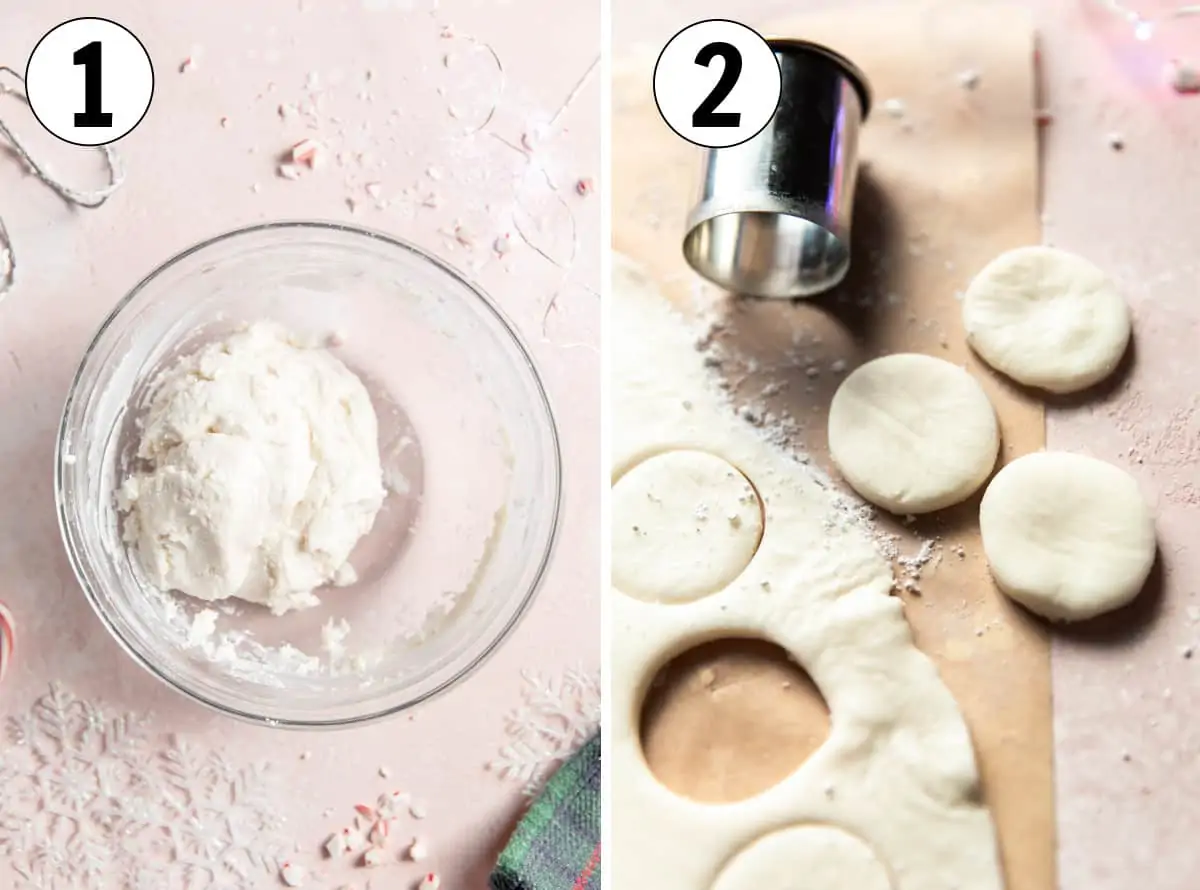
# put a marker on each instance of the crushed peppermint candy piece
(374, 190)
(417, 810)
(585, 187)
(354, 841)
(430, 882)
(292, 874)
(391, 801)
(365, 811)
(417, 850)
(374, 857)
(289, 171)
(502, 245)
(380, 831)
(337, 845)
(188, 64)
(308, 152)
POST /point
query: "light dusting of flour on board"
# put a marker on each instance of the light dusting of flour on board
(555, 718)
(1169, 445)
(529, 185)
(95, 800)
(732, 371)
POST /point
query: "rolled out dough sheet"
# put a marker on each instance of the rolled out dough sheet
(943, 189)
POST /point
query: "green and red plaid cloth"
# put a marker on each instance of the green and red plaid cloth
(557, 845)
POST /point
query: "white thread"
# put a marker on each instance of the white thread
(86, 198)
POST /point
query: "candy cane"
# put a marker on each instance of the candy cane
(8, 638)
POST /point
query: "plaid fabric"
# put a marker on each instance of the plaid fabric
(557, 845)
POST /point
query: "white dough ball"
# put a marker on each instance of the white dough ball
(913, 433)
(1046, 318)
(1067, 536)
(685, 524)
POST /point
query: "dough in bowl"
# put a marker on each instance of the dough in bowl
(1067, 536)
(1046, 318)
(912, 433)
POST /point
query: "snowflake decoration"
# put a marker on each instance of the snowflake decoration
(93, 801)
(554, 720)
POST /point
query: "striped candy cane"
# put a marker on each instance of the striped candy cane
(8, 633)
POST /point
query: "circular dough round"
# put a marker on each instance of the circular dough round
(1046, 318)
(815, 857)
(685, 524)
(1067, 536)
(912, 433)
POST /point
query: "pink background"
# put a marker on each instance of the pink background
(1128, 689)
(190, 177)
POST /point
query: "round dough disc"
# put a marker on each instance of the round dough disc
(685, 524)
(912, 433)
(812, 857)
(1067, 536)
(1046, 318)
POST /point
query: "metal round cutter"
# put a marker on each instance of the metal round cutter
(773, 215)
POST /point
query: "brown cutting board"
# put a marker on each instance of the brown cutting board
(944, 187)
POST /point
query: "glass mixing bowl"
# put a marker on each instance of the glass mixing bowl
(470, 453)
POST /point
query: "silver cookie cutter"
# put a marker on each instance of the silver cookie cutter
(773, 215)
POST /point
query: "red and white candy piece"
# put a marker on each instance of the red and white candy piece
(8, 638)
(380, 831)
(374, 857)
(430, 882)
(390, 803)
(417, 850)
(292, 874)
(308, 152)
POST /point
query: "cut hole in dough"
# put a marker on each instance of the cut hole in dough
(729, 719)
(685, 524)
(1046, 318)
(912, 433)
(812, 857)
(1067, 536)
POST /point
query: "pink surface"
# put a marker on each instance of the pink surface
(1125, 687)
(453, 185)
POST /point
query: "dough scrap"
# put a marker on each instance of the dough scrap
(912, 433)
(260, 472)
(685, 524)
(897, 769)
(1046, 318)
(1067, 536)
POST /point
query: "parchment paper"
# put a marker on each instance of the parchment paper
(943, 189)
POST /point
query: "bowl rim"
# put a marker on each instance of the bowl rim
(76, 559)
